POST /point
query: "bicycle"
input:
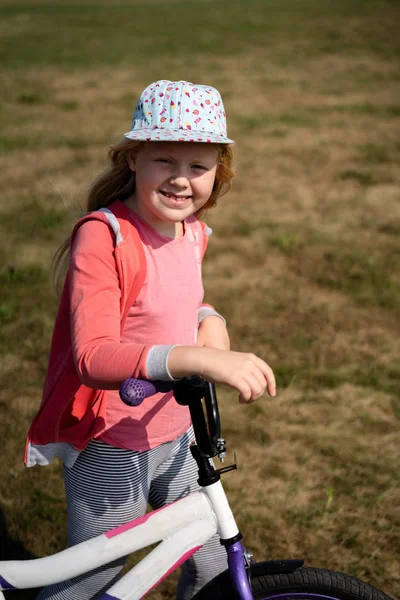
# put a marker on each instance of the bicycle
(183, 527)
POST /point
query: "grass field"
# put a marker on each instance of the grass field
(303, 262)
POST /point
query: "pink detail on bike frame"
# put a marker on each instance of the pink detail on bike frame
(131, 524)
(178, 563)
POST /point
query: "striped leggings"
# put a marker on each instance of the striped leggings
(109, 486)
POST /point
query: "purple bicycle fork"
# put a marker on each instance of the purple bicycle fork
(238, 571)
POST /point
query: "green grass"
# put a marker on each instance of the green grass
(368, 279)
(249, 123)
(361, 177)
(30, 98)
(18, 143)
(34, 220)
(374, 376)
(343, 264)
(53, 34)
(26, 302)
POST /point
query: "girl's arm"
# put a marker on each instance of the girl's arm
(213, 333)
(212, 330)
(245, 372)
(101, 360)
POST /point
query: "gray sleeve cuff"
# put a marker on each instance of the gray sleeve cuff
(157, 363)
(206, 311)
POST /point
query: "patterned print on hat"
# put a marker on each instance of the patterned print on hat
(179, 111)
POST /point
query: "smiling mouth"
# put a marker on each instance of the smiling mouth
(174, 196)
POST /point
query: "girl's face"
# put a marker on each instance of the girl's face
(173, 181)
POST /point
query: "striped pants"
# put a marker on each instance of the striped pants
(109, 486)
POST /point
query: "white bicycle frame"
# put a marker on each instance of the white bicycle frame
(182, 528)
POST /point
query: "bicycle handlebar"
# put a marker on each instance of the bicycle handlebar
(190, 392)
(133, 391)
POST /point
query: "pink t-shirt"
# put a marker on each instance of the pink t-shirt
(165, 312)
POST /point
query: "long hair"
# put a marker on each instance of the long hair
(117, 182)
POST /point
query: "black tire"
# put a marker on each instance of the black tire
(317, 583)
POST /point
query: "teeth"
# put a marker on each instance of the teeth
(173, 196)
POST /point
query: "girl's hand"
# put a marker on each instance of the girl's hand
(213, 333)
(245, 372)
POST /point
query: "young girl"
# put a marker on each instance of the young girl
(132, 306)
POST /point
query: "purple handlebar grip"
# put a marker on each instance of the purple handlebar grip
(134, 391)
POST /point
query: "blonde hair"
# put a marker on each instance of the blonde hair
(117, 182)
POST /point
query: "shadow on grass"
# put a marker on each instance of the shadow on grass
(12, 549)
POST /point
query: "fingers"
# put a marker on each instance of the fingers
(268, 374)
(245, 372)
(257, 377)
(253, 388)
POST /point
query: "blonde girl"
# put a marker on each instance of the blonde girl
(132, 306)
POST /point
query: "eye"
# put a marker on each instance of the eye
(163, 160)
(199, 167)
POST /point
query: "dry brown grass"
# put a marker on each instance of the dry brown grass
(303, 263)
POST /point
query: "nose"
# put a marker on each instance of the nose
(180, 178)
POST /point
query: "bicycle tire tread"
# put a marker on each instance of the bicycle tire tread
(343, 586)
(321, 579)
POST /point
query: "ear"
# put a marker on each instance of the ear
(131, 161)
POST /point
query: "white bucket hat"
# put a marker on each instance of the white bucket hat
(179, 111)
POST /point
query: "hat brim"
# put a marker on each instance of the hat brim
(176, 135)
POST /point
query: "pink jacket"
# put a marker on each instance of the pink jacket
(71, 411)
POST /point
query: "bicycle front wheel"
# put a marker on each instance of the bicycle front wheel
(305, 583)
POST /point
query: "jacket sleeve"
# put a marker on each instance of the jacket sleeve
(101, 360)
